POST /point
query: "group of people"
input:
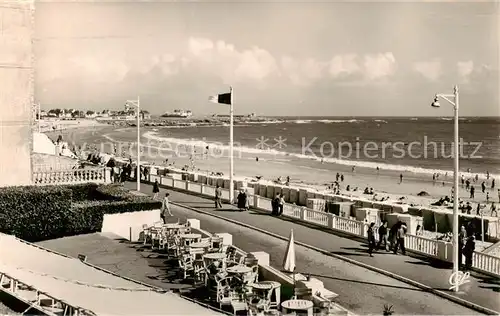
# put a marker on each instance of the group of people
(393, 238)
(277, 204)
(242, 199)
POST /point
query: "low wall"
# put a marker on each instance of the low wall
(431, 248)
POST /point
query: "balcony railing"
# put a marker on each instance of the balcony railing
(75, 176)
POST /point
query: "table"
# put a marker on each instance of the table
(200, 244)
(239, 269)
(215, 256)
(300, 306)
(266, 285)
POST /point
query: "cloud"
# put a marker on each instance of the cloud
(431, 70)
(100, 68)
(302, 72)
(216, 58)
(224, 60)
(343, 65)
(465, 70)
(379, 66)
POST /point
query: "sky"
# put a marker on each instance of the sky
(281, 58)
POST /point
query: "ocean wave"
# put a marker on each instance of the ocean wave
(301, 121)
(249, 150)
(380, 121)
(325, 121)
(265, 122)
(340, 121)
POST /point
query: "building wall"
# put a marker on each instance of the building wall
(16, 91)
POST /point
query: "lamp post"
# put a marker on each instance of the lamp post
(453, 100)
(137, 105)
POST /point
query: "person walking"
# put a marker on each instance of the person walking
(371, 239)
(165, 209)
(156, 189)
(218, 196)
(275, 205)
(382, 236)
(468, 251)
(281, 204)
(472, 190)
(400, 178)
(400, 240)
(462, 238)
(242, 200)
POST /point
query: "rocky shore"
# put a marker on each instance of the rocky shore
(179, 122)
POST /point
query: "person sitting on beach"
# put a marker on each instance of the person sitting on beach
(348, 188)
(366, 191)
(371, 191)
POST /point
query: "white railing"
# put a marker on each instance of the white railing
(422, 245)
(486, 263)
(348, 225)
(317, 217)
(75, 176)
(292, 210)
(428, 247)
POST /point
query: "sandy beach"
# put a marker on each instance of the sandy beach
(302, 172)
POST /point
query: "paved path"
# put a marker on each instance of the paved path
(362, 291)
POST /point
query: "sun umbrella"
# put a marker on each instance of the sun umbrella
(289, 262)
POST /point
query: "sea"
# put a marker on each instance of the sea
(414, 144)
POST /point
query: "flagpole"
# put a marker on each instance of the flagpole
(231, 162)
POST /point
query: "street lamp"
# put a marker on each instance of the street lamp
(453, 100)
(137, 105)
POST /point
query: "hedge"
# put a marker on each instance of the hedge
(108, 207)
(36, 213)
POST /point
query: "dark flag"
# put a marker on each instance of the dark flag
(224, 98)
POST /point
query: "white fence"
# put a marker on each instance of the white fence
(437, 249)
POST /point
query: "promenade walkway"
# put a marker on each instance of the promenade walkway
(351, 282)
